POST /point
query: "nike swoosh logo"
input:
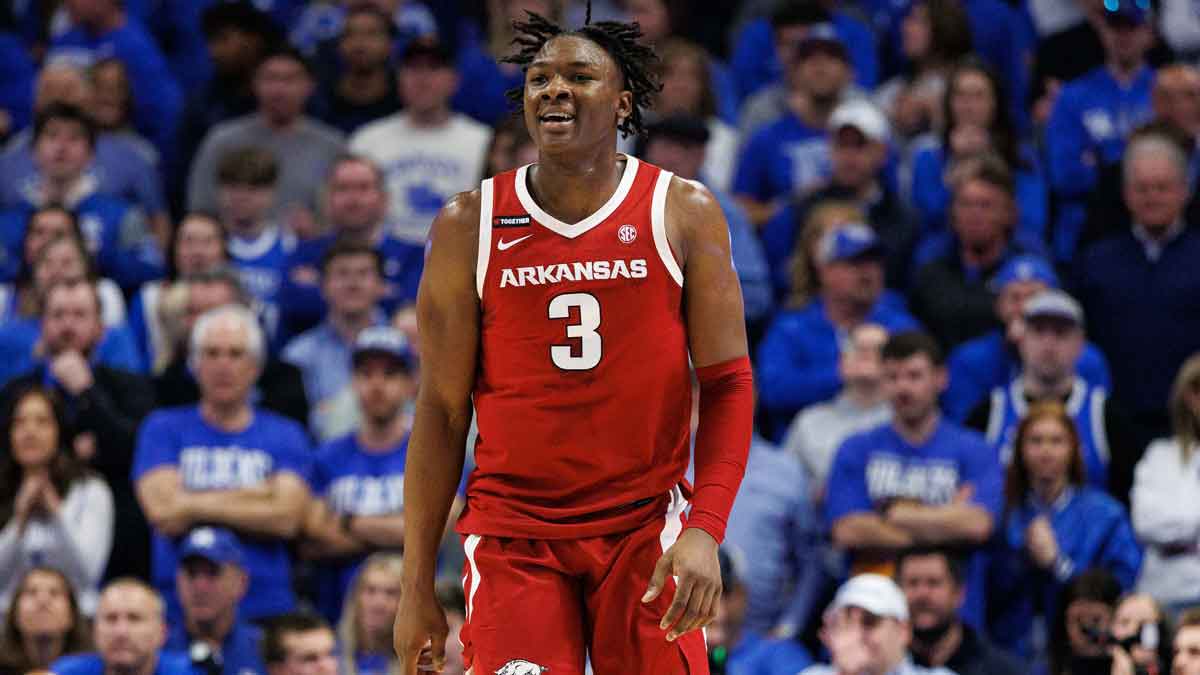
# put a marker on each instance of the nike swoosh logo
(505, 245)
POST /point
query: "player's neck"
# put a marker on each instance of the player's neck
(573, 187)
(231, 418)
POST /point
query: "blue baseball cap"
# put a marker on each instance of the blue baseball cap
(382, 340)
(215, 544)
(1126, 12)
(1024, 268)
(848, 242)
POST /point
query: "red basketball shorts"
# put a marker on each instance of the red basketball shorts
(537, 605)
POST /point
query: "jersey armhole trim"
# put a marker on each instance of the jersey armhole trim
(485, 235)
(658, 224)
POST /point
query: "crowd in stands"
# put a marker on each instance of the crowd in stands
(966, 233)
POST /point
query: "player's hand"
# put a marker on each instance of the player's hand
(693, 563)
(419, 634)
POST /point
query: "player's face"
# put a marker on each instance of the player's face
(1047, 451)
(62, 152)
(912, 386)
(933, 597)
(225, 366)
(71, 319)
(129, 629)
(310, 653)
(574, 96)
(356, 197)
(198, 247)
(378, 600)
(208, 591)
(1187, 652)
(1050, 347)
(34, 433)
(383, 387)
(1155, 190)
(43, 605)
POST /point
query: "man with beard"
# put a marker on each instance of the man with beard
(934, 581)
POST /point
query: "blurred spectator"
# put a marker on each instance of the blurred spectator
(798, 282)
(1094, 115)
(130, 630)
(226, 462)
(1166, 500)
(103, 407)
(485, 78)
(1050, 345)
(1176, 97)
(977, 119)
(64, 142)
(1055, 526)
(299, 644)
(359, 477)
(258, 245)
(761, 45)
(677, 144)
(950, 292)
(858, 148)
(427, 152)
(820, 429)
(992, 360)
(934, 582)
(774, 531)
(356, 203)
(365, 629)
(352, 284)
(316, 29)
(786, 148)
(919, 479)
(56, 511)
(1142, 636)
(302, 146)
(120, 169)
(43, 622)
(197, 245)
(1187, 645)
(279, 386)
(211, 581)
(1077, 640)
(867, 630)
(365, 88)
(17, 73)
(450, 595)
(1139, 287)
(511, 147)
(687, 89)
(236, 36)
(101, 28)
(798, 357)
(734, 648)
(934, 35)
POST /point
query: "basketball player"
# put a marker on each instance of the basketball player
(564, 300)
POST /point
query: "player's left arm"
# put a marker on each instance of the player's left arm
(699, 236)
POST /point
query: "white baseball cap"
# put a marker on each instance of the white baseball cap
(874, 593)
(860, 114)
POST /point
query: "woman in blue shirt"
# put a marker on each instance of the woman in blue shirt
(1055, 527)
(365, 629)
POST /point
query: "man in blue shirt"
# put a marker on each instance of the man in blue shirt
(129, 632)
(359, 478)
(225, 462)
(211, 582)
(357, 204)
(920, 479)
(1094, 115)
(352, 283)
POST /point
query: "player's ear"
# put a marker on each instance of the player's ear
(624, 105)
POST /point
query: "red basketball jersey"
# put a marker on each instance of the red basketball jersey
(583, 393)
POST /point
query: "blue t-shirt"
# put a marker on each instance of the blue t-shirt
(756, 655)
(361, 483)
(260, 263)
(783, 157)
(116, 349)
(17, 73)
(211, 459)
(240, 653)
(169, 663)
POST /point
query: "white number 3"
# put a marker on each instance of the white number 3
(584, 331)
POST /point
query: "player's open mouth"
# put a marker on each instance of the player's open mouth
(556, 120)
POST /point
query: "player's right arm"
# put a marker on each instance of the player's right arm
(448, 315)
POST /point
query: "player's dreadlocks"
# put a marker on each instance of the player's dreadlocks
(637, 61)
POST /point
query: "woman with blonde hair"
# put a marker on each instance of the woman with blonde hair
(1054, 527)
(1166, 499)
(365, 629)
(802, 267)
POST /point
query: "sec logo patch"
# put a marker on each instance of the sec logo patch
(627, 234)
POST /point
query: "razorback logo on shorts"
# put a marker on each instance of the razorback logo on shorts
(521, 667)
